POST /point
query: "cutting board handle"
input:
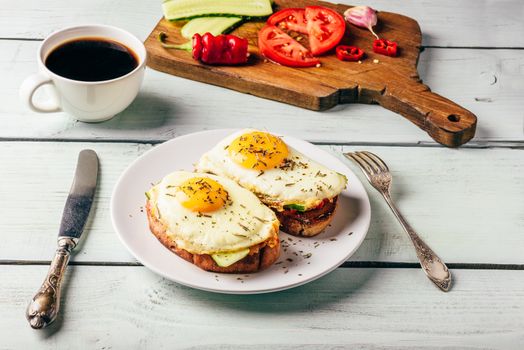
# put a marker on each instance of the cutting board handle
(445, 121)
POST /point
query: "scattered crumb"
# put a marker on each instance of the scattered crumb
(333, 239)
(307, 256)
(318, 65)
(265, 60)
(376, 61)
(349, 234)
(300, 274)
(289, 259)
(286, 271)
(359, 62)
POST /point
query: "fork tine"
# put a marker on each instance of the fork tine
(370, 162)
(377, 160)
(363, 165)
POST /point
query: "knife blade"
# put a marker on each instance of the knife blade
(78, 203)
(44, 307)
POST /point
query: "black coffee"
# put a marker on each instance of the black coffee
(91, 59)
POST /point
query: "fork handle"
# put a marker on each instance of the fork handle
(433, 267)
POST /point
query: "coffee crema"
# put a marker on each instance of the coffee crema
(91, 59)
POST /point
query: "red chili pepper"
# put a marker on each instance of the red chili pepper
(220, 49)
(349, 53)
(385, 47)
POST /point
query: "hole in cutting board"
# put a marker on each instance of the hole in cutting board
(453, 118)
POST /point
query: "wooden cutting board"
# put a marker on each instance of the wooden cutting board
(392, 82)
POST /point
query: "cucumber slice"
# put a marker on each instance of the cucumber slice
(175, 10)
(213, 25)
(227, 259)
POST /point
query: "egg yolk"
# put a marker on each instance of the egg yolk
(203, 195)
(258, 150)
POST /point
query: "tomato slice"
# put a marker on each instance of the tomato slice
(289, 19)
(281, 48)
(325, 28)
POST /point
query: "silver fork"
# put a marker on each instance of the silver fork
(379, 176)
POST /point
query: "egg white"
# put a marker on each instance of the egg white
(303, 182)
(243, 222)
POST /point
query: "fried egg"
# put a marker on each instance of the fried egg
(278, 174)
(208, 214)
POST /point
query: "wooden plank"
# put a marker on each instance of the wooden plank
(130, 307)
(490, 83)
(444, 23)
(453, 198)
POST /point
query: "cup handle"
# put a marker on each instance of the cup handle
(28, 89)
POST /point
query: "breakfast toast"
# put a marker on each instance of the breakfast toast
(260, 256)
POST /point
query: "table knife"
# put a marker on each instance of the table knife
(43, 308)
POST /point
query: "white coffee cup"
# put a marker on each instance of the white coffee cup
(87, 101)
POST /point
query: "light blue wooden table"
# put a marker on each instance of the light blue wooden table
(467, 203)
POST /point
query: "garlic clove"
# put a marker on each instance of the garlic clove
(362, 16)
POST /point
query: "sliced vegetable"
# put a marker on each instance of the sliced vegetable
(385, 47)
(175, 10)
(220, 50)
(185, 46)
(289, 19)
(349, 53)
(323, 203)
(362, 16)
(213, 25)
(296, 207)
(197, 47)
(228, 259)
(325, 28)
(279, 47)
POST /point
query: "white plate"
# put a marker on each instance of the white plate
(302, 259)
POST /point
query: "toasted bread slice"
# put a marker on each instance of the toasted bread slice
(309, 223)
(260, 256)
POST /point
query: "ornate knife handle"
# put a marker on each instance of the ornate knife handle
(43, 308)
(432, 265)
